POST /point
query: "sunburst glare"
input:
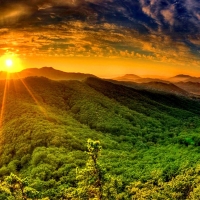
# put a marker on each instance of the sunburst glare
(10, 63)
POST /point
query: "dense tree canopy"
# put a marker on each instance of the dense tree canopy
(150, 140)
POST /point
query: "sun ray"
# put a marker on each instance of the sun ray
(42, 109)
(4, 99)
(5, 92)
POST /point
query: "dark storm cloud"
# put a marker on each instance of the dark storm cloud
(174, 16)
(166, 16)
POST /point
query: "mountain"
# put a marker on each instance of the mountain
(127, 77)
(181, 84)
(165, 87)
(147, 80)
(180, 77)
(193, 79)
(137, 79)
(141, 96)
(47, 72)
(45, 125)
(155, 86)
(192, 87)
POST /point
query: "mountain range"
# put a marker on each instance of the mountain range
(48, 72)
(180, 84)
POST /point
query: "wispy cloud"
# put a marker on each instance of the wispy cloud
(169, 14)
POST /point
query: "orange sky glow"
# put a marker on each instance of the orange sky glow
(108, 67)
(149, 39)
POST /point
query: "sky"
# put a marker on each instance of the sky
(104, 37)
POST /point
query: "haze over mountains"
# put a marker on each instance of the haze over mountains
(177, 78)
(180, 84)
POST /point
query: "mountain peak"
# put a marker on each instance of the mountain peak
(131, 75)
(127, 77)
(182, 76)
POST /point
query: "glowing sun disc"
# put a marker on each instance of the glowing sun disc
(9, 62)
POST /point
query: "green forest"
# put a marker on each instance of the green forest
(94, 139)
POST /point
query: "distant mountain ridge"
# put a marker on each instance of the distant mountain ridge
(48, 72)
(166, 87)
(193, 87)
(184, 78)
(127, 77)
(181, 84)
(137, 79)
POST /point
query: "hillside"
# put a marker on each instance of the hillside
(165, 87)
(181, 84)
(156, 86)
(46, 123)
(192, 87)
(47, 72)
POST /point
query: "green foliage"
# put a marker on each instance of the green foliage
(90, 179)
(14, 187)
(183, 186)
(92, 182)
(141, 132)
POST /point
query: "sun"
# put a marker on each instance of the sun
(9, 63)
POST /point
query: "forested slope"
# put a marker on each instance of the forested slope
(46, 124)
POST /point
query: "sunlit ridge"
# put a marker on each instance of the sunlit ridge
(34, 98)
(6, 87)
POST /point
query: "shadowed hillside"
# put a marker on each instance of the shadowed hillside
(155, 86)
(165, 87)
(192, 87)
